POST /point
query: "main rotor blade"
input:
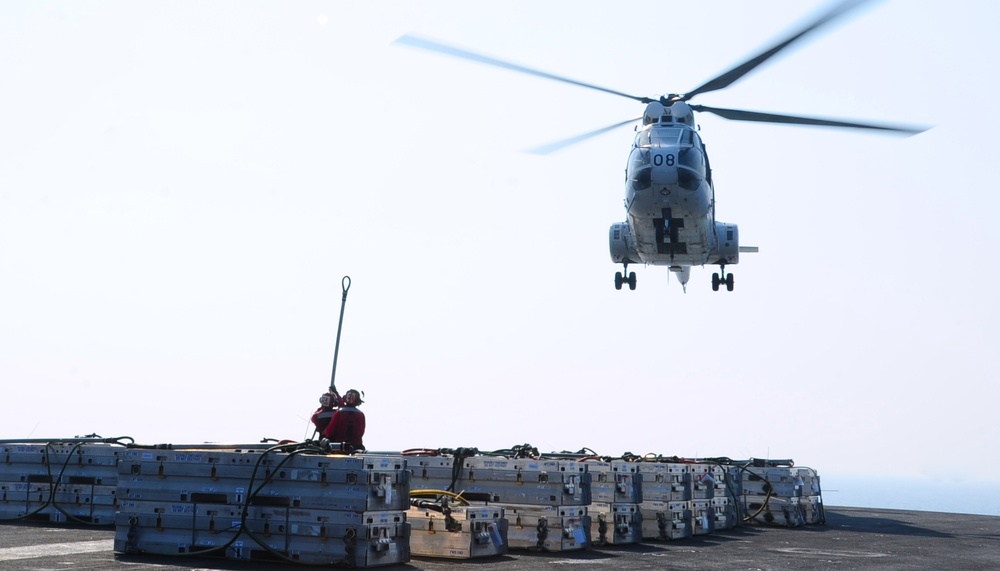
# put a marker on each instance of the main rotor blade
(430, 45)
(741, 115)
(559, 145)
(731, 76)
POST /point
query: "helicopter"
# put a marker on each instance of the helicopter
(669, 192)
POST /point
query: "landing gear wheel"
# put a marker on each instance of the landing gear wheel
(619, 280)
(631, 281)
(729, 282)
(715, 282)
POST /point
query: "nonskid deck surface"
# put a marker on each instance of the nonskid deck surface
(853, 538)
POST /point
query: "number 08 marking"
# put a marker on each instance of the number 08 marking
(658, 160)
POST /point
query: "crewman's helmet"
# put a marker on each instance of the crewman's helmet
(326, 400)
(352, 398)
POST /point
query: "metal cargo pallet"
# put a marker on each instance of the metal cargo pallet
(615, 523)
(666, 520)
(615, 481)
(465, 532)
(774, 510)
(702, 517)
(710, 480)
(548, 528)
(726, 513)
(365, 546)
(505, 481)
(665, 481)
(301, 481)
(782, 481)
(812, 510)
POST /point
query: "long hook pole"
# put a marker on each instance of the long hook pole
(346, 284)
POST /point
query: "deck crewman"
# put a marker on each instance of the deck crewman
(339, 420)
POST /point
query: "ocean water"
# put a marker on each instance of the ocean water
(911, 493)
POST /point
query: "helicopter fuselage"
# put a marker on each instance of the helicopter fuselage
(670, 203)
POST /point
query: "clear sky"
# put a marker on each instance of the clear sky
(183, 185)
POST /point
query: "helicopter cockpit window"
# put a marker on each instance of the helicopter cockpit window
(642, 178)
(690, 154)
(664, 136)
(639, 169)
(638, 159)
(692, 158)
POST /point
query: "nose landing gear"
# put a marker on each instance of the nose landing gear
(718, 280)
(628, 277)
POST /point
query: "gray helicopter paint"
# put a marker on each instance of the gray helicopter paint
(670, 214)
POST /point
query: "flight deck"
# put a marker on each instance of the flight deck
(852, 538)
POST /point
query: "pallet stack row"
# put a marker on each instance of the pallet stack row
(66, 481)
(297, 505)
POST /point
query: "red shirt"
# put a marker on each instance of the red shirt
(347, 426)
(321, 418)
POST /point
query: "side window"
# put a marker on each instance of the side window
(692, 158)
(639, 171)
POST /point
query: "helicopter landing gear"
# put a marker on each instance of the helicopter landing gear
(723, 279)
(622, 279)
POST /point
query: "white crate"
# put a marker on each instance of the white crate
(665, 481)
(300, 481)
(726, 515)
(774, 510)
(614, 482)
(58, 454)
(615, 523)
(782, 481)
(466, 532)
(365, 546)
(666, 520)
(812, 510)
(709, 480)
(702, 517)
(506, 481)
(547, 528)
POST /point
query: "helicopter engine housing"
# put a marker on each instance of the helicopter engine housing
(727, 247)
(622, 244)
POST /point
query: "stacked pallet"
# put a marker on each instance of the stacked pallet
(714, 504)
(684, 498)
(666, 495)
(457, 532)
(64, 481)
(616, 493)
(544, 501)
(783, 495)
(287, 503)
